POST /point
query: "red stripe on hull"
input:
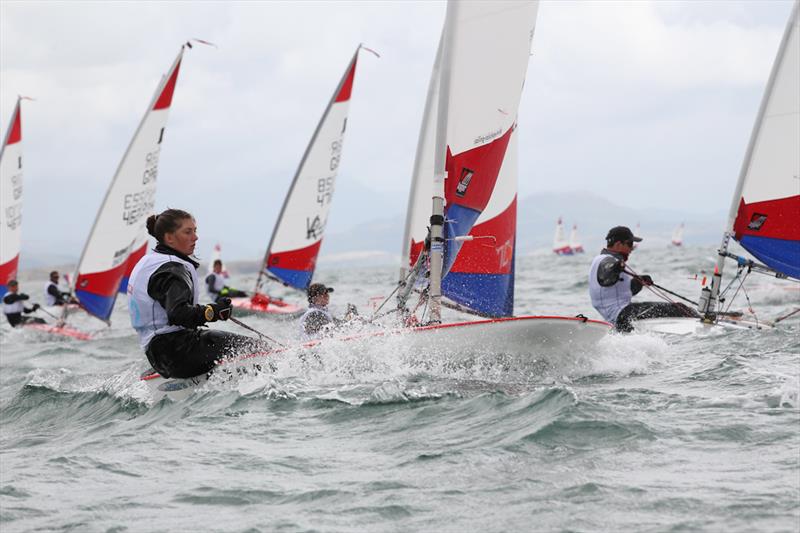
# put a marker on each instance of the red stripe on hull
(490, 256)
(347, 86)
(300, 259)
(165, 98)
(102, 283)
(16, 128)
(471, 175)
(8, 271)
(773, 219)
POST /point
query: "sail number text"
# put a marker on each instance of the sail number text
(137, 205)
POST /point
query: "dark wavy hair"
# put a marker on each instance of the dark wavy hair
(166, 222)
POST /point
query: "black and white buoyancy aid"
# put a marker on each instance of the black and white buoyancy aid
(217, 285)
(17, 307)
(148, 317)
(49, 299)
(609, 301)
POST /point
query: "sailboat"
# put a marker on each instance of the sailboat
(469, 135)
(292, 252)
(677, 236)
(560, 244)
(574, 241)
(11, 172)
(118, 236)
(765, 208)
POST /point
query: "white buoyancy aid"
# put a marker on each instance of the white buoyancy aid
(609, 301)
(215, 287)
(16, 307)
(148, 317)
(49, 299)
(314, 310)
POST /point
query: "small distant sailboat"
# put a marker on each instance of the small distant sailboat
(11, 174)
(765, 207)
(118, 237)
(574, 241)
(291, 256)
(560, 244)
(677, 236)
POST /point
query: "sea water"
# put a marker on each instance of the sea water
(643, 433)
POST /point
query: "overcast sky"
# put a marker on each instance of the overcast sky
(649, 104)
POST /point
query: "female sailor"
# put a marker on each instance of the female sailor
(163, 296)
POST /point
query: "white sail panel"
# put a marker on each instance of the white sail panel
(298, 233)
(11, 173)
(119, 229)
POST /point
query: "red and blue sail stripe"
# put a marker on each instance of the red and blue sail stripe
(479, 273)
(295, 267)
(770, 230)
(132, 260)
(8, 271)
(97, 291)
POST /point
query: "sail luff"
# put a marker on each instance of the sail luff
(156, 103)
(420, 172)
(341, 94)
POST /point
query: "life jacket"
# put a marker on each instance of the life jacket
(49, 299)
(16, 307)
(148, 317)
(609, 301)
(313, 310)
(217, 285)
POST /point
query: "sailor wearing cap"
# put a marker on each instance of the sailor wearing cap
(611, 287)
(317, 316)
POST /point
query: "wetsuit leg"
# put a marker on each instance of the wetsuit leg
(641, 310)
(33, 320)
(15, 319)
(189, 353)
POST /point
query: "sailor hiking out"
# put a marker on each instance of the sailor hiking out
(611, 287)
(318, 320)
(163, 296)
(14, 306)
(53, 295)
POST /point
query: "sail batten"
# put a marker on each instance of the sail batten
(296, 240)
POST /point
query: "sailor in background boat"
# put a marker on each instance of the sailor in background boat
(163, 296)
(53, 295)
(612, 288)
(14, 307)
(317, 320)
(216, 287)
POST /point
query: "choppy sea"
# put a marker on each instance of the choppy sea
(644, 433)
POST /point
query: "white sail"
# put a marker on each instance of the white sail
(560, 244)
(292, 252)
(574, 241)
(11, 173)
(677, 236)
(119, 229)
(471, 114)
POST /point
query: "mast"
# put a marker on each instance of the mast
(708, 309)
(417, 178)
(440, 160)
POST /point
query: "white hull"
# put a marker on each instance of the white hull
(526, 337)
(694, 326)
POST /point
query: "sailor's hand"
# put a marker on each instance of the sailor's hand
(36, 307)
(646, 280)
(350, 312)
(221, 310)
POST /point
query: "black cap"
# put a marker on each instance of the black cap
(12, 282)
(621, 234)
(315, 289)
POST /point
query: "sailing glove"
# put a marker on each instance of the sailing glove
(646, 280)
(221, 310)
(36, 307)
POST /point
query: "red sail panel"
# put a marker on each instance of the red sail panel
(165, 98)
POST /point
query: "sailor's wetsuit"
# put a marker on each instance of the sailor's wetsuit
(314, 320)
(612, 289)
(163, 296)
(14, 307)
(215, 285)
